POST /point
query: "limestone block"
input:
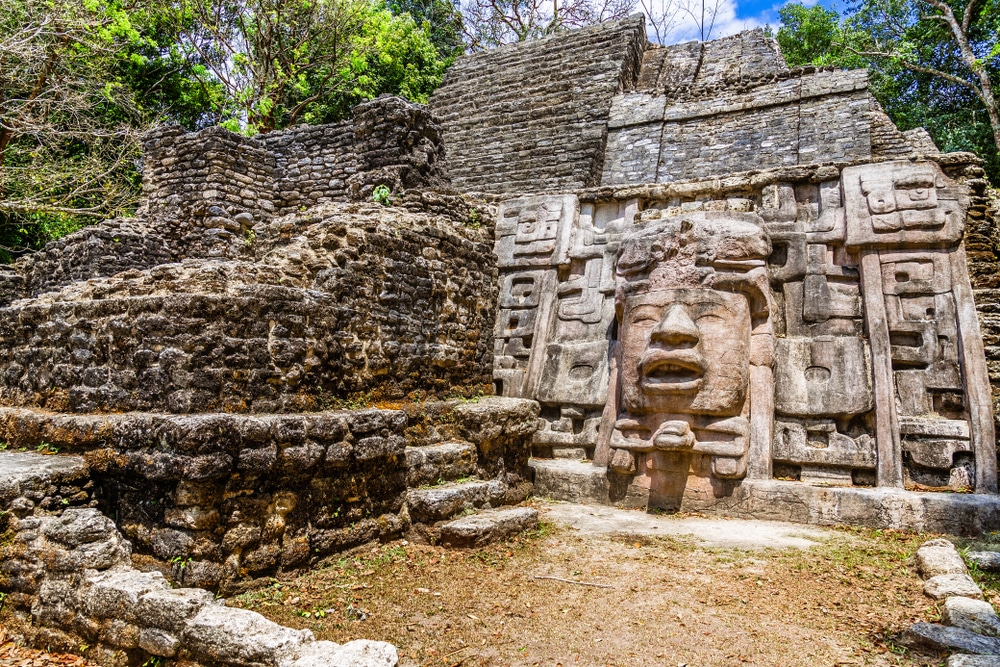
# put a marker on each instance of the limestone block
(116, 594)
(968, 660)
(937, 557)
(442, 502)
(447, 461)
(974, 615)
(158, 642)
(985, 560)
(120, 633)
(357, 653)
(170, 608)
(239, 636)
(943, 638)
(946, 585)
(490, 526)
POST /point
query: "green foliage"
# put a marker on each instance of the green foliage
(381, 194)
(442, 20)
(915, 60)
(80, 80)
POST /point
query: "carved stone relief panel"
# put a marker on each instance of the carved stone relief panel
(905, 222)
(693, 307)
(553, 333)
(822, 373)
(823, 332)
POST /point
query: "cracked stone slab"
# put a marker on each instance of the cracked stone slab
(943, 638)
(974, 615)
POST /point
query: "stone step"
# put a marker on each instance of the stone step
(570, 480)
(436, 503)
(445, 462)
(489, 526)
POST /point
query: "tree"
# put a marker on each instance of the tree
(444, 22)
(490, 23)
(917, 69)
(957, 41)
(269, 64)
(68, 131)
(671, 21)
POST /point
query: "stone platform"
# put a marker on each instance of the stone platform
(775, 500)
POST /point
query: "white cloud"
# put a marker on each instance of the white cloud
(680, 20)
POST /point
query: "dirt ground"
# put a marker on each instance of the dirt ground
(632, 598)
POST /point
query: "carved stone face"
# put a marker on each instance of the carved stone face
(903, 200)
(685, 351)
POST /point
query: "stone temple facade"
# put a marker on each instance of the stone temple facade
(731, 286)
(687, 278)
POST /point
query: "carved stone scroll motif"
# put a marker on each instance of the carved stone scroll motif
(824, 407)
(553, 333)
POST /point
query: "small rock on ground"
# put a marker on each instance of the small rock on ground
(973, 615)
(966, 660)
(937, 557)
(490, 526)
(988, 561)
(947, 585)
(943, 638)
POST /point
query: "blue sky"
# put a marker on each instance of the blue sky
(737, 15)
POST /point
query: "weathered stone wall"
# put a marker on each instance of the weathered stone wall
(798, 119)
(103, 249)
(533, 117)
(364, 300)
(214, 183)
(218, 500)
(982, 243)
(69, 584)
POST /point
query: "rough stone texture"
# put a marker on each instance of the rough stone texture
(973, 615)
(532, 117)
(939, 557)
(943, 638)
(807, 119)
(69, 582)
(943, 586)
(215, 179)
(967, 660)
(985, 560)
(235, 497)
(489, 526)
(362, 299)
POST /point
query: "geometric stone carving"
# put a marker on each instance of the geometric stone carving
(901, 204)
(822, 377)
(552, 338)
(828, 336)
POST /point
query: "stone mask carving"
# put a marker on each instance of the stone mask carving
(689, 292)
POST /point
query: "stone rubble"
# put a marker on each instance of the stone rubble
(969, 625)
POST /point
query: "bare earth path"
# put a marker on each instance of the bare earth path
(670, 591)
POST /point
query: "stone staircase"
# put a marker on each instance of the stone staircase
(459, 473)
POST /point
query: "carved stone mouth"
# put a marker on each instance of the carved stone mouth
(671, 372)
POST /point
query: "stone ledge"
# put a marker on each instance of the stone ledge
(773, 500)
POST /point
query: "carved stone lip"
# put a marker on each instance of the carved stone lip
(738, 264)
(671, 371)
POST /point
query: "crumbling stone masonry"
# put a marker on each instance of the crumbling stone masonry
(696, 279)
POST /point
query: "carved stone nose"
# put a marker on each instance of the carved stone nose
(676, 328)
